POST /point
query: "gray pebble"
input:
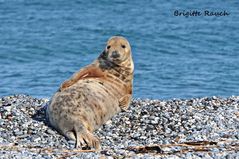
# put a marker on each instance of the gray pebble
(147, 122)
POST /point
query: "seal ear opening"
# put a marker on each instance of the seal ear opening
(103, 52)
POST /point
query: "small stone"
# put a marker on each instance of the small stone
(147, 122)
(49, 131)
(8, 108)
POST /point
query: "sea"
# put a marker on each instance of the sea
(179, 51)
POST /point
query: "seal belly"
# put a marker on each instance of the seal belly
(88, 102)
(98, 101)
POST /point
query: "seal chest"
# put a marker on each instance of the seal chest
(94, 94)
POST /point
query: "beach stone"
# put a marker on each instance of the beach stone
(146, 123)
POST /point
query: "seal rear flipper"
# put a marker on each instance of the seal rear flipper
(84, 137)
(70, 135)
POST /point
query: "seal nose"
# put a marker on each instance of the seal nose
(115, 54)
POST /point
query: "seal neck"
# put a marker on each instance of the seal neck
(124, 71)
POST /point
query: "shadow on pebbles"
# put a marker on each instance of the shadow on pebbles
(178, 128)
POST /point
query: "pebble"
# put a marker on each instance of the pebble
(24, 131)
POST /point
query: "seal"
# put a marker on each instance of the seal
(94, 94)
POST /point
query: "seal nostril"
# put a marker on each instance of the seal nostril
(115, 54)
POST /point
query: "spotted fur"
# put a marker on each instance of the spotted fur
(94, 94)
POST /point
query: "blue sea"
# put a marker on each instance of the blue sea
(43, 42)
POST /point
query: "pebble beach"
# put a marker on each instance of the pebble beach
(206, 127)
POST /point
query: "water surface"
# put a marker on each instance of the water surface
(42, 43)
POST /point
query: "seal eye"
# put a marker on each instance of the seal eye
(123, 46)
(108, 47)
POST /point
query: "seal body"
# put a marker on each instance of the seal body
(94, 94)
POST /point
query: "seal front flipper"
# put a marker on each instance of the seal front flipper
(124, 102)
(87, 72)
